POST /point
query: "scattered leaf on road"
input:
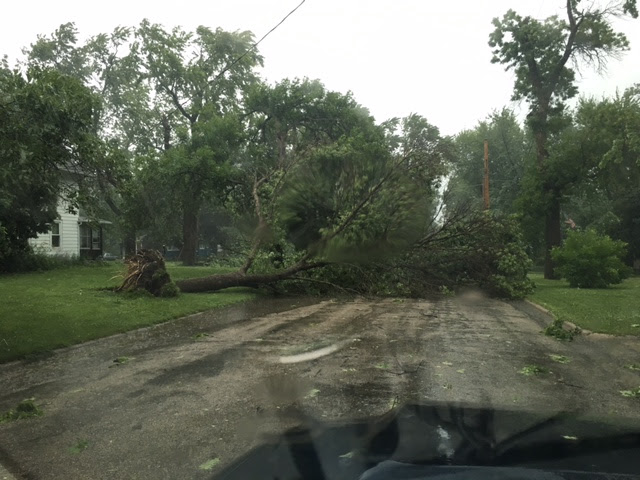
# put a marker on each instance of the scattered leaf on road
(120, 361)
(448, 364)
(25, 409)
(313, 393)
(530, 370)
(80, 446)
(633, 366)
(634, 393)
(209, 464)
(559, 358)
(460, 371)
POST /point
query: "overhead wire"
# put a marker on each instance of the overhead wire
(255, 45)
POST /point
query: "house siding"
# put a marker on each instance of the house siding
(69, 239)
(69, 243)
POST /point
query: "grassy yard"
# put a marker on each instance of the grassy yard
(614, 310)
(46, 310)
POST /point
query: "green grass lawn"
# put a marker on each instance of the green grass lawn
(46, 310)
(612, 310)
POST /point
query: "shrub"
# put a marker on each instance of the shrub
(30, 259)
(590, 260)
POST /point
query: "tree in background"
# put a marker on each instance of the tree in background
(159, 89)
(540, 53)
(199, 81)
(107, 64)
(509, 150)
(608, 197)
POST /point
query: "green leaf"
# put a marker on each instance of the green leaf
(633, 393)
(210, 464)
(79, 447)
(559, 358)
(313, 393)
(530, 370)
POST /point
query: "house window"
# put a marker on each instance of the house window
(89, 237)
(55, 235)
(95, 239)
(85, 236)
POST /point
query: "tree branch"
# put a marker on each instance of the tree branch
(574, 26)
(262, 225)
(176, 101)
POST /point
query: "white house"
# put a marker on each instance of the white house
(71, 235)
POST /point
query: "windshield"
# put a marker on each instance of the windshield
(319, 239)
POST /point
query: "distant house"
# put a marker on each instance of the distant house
(72, 234)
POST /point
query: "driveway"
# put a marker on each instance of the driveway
(189, 397)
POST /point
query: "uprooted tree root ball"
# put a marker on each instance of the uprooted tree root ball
(146, 271)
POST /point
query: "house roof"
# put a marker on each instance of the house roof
(100, 221)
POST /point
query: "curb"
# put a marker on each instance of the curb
(566, 325)
(539, 307)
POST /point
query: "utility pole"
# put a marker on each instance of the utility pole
(485, 186)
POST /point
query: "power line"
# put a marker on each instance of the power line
(255, 45)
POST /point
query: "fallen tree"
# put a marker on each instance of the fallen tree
(340, 202)
(323, 179)
(213, 283)
(146, 271)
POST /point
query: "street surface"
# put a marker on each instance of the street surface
(189, 397)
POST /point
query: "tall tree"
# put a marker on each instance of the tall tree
(541, 54)
(199, 80)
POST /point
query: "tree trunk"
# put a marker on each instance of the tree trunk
(166, 133)
(189, 236)
(129, 243)
(552, 236)
(238, 279)
(541, 149)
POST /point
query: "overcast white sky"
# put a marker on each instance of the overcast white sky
(396, 56)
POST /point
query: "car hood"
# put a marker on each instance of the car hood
(450, 442)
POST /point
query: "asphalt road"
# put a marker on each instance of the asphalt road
(191, 396)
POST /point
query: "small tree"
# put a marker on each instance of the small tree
(590, 260)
